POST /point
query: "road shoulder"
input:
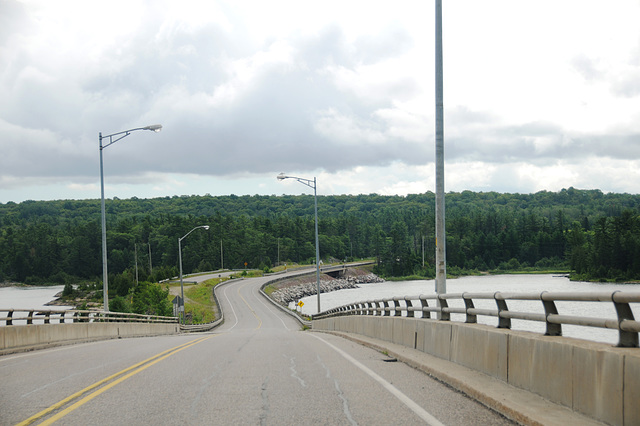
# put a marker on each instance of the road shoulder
(516, 404)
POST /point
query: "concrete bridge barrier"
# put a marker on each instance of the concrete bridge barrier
(595, 379)
(20, 338)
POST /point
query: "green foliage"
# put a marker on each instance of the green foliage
(151, 299)
(119, 304)
(68, 290)
(608, 251)
(595, 234)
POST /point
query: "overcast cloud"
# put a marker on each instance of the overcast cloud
(538, 95)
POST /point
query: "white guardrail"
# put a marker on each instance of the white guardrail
(407, 306)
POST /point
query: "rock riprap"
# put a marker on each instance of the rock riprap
(288, 294)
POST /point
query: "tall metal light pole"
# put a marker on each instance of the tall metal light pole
(311, 184)
(441, 266)
(105, 280)
(206, 228)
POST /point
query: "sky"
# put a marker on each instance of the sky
(538, 95)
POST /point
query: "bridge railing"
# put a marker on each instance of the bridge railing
(10, 317)
(628, 328)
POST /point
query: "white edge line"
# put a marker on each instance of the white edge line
(413, 406)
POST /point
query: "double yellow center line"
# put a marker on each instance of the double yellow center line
(105, 384)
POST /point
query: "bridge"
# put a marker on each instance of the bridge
(260, 367)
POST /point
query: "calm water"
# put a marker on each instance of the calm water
(490, 284)
(30, 297)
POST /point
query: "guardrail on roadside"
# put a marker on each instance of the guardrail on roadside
(407, 306)
(51, 316)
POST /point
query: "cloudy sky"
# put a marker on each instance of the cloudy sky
(539, 95)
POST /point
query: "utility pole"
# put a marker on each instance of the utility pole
(135, 252)
(150, 265)
(441, 267)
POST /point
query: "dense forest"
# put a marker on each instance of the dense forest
(595, 235)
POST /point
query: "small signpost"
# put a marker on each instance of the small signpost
(300, 305)
(178, 307)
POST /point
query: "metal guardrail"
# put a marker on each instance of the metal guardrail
(407, 306)
(71, 316)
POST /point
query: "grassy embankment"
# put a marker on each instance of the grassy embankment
(199, 301)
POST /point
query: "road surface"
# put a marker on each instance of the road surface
(258, 368)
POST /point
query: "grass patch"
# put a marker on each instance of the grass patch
(199, 301)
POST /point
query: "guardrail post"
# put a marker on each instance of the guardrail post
(626, 339)
(468, 304)
(47, 317)
(550, 309)
(502, 306)
(396, 305)
(30, 318)
(425, 304)
(9, 317)
(409, 308)
(374, 306)
(444, 316)
(386, 308)
(62, 317)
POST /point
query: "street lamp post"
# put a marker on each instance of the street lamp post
(311, 184)
(206, 228)
(105, 280)
(441, 243)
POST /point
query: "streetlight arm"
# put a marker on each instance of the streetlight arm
(154, 127)
(310, 183)
(111, 140)
(205, 227)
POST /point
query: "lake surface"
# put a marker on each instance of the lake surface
(489, 284)
(28, 297)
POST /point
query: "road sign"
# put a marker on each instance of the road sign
(301, 303)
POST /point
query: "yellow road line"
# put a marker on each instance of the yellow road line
(150, 361)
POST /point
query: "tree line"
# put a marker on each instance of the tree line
(594, 234)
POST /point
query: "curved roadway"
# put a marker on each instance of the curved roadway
(258, 368)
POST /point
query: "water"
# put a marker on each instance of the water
(492, 283)
(30, 297)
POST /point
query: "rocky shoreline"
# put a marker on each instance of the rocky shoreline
(292, 293)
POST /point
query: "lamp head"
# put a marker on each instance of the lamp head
(155, 127)
(282, 176)
(206, 227)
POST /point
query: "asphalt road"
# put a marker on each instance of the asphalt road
(258, 368)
